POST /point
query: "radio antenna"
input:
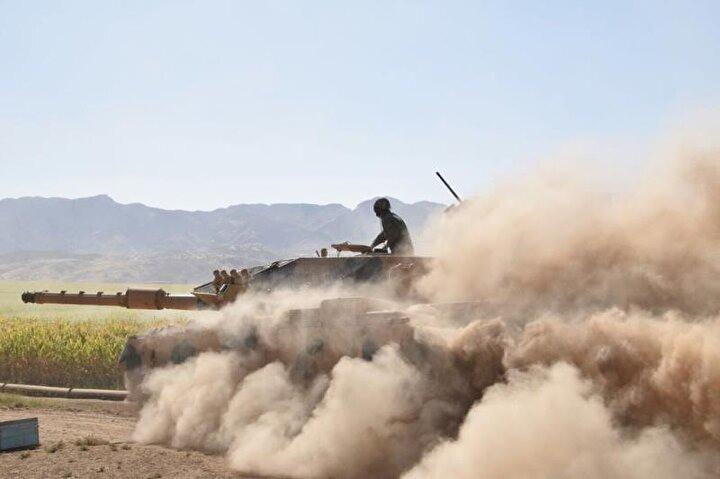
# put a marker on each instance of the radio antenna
(448, 186)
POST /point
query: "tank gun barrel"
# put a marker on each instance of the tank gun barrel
(131, 299)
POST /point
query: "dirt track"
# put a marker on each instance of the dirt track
(69, 422)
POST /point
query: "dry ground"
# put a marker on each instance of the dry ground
(91, 439)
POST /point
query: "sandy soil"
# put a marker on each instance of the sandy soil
(66, 451)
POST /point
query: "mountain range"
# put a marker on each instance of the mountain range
(98, 239)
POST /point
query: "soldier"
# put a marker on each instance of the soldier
(244, 280)
(217, 280)
(394, 231)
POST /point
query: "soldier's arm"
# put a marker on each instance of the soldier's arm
(379, 239)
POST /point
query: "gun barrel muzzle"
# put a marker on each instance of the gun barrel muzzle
(28, 297)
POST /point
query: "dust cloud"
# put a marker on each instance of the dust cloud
(549, 242)
(592, 349)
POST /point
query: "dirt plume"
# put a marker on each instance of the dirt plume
(551, 242)
(648, 369)
(544, 423)
(287, 409)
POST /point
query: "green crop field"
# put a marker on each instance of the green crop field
(73, 346)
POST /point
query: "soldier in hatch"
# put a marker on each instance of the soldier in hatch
(394, 231)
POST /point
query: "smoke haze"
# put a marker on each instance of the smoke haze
(595, 351)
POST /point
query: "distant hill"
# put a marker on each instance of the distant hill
(98, 239)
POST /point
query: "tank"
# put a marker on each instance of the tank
(302, 336)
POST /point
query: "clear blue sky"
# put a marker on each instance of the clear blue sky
(203, 104)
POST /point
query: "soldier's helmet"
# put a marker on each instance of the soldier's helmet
(381, 206)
